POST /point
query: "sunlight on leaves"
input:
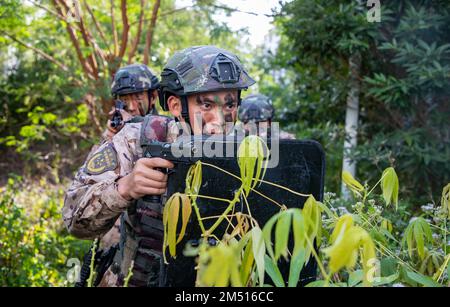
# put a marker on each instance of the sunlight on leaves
(252, 162)
(170, 221)
(347, 240)
(352, 183)
(389, 185)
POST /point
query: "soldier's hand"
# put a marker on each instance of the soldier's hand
(113, 131)
(144, 179)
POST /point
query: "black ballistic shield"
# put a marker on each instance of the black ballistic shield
(301, 168)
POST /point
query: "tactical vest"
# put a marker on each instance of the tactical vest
(142, 231)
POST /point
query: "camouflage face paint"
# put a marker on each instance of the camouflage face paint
(229, 98)
(143, 102)
(199, 99)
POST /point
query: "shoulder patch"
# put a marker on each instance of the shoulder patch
(103, 161)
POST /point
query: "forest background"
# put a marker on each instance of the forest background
(319, 58)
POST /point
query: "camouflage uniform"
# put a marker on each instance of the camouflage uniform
(258, 108)
(129, 79)
(93, 203)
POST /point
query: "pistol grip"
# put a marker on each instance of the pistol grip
(155, 198)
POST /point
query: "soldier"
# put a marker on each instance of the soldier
(202, 83)
(256, 113)
(137, 87)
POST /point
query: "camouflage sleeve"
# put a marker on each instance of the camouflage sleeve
(105, 137)
(92, 203)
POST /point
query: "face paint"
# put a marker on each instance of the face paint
(143, 103)
(229, 98)
(136, 104)
(199, 100)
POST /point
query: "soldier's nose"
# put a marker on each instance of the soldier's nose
(132, 106)
(215, 129)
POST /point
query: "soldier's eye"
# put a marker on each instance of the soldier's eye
(206, 105)
(230, 105)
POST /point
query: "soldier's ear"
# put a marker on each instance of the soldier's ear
(174, 104)
(153, 96)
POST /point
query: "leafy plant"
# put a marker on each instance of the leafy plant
(247, 253)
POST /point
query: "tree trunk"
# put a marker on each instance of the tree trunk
(351, 117)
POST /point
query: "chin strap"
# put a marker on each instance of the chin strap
(184, 114)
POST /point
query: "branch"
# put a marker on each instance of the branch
(125, 29)
(75, 43)
(113, 27)
(97, 25)
(41, 53)
(61, 17)
(151, 29)
(138, 34)
(233, 10)
(38, 51)
(87, 42)
(165, 13)
(97, 49)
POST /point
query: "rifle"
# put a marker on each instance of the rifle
(117, 119)
(187, 151)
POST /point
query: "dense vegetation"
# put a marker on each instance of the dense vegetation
(55, 89)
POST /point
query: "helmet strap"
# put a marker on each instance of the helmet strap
(152, 109)
(185, 112)
(185, 109)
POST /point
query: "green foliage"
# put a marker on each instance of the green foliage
(389, 185)
(404, 96)
(246, 253)
(34, 244)
(51, 115)
(417, 234)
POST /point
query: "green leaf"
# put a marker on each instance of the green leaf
(445, 200)
(351, 182)
(299, 230)
(297, 262)
(267, 233)
(417, 234)
(282, 234)
(186, 209)
(355, 278)
(251, 157)
(247, 263)
(381, 281)
(448, 269)
(418, 237)
(422, 279)
(316, 284)
(194, 180)
(259, 251)
(172, 222)
(273, 271)
(390, 186)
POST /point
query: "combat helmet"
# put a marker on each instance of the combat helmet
(134, 78)
(201, 69)
(256, 108)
